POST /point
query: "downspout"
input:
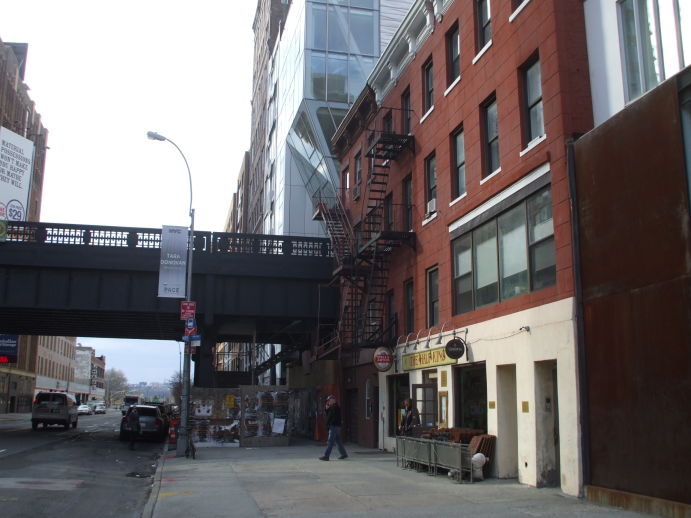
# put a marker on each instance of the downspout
(581, 365)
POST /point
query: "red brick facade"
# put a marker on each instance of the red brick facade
(553, 30)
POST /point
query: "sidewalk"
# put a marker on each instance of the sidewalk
(291, 482)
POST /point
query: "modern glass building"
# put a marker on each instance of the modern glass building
(318, 68)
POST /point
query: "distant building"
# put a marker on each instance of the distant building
(89, 375)
(55, 364)
(18, 115)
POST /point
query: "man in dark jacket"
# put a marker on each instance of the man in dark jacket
(135, 426)
(333, 424)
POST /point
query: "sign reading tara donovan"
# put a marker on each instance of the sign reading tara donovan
(173, 267)
(16, 159)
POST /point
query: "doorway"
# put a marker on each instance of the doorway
(399, 391)
(507, 422)
(547, 417)
(470, 385)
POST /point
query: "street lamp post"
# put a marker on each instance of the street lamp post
(185, 396)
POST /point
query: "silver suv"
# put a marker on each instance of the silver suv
(54, 408)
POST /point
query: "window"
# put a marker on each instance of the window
(387, 123)
(484, 23)
(533, 117)
(391, 324)
(649, 57)
(358, 176)
(388, 213)
(513, 259)
(543, 270)
(345, 183)
(491, 136)
(506, 256)
(406, 112)
(427, 86)
(463, 274)
(408, 202)
(453, 55)
(485, 264)
(458, 180)
(433, 297)
(431, 183)
(409, 306)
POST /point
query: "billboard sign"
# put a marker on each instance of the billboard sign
(173, 266)
(8, 348)
(16, 165)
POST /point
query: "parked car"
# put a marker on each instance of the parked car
(100, 409)
(84, 410)
(151, 423)
(164, 412)
(54, 408)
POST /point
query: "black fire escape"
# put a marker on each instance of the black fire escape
(364, 255)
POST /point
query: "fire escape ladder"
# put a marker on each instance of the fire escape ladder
(339, 228)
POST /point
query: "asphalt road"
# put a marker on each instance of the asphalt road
(80, 473)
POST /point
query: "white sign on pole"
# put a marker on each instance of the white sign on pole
(173, 267)
(16, 165)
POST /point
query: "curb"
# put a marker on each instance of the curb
(150, 506)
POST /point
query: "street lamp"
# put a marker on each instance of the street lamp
(185, 396)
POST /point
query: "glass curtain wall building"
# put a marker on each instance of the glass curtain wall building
(319, 67)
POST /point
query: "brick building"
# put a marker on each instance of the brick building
(18, 115)
(453, 174)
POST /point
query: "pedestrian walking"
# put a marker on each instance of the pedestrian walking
(333, 424)
(135, 426)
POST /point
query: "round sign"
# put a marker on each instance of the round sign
(382, 359)
(455, 348)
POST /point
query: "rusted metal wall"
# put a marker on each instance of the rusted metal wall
(635, 259)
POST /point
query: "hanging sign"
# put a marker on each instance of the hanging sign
(173, 267)
(383, 359)
(16, 162)
(455, 348)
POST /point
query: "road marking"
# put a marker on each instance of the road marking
(40, 483)
(166, 494)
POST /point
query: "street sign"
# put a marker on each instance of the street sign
(188, 309)
(190, 323)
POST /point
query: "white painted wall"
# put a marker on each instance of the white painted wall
(502, 344)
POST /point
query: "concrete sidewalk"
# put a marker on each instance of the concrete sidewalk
(291, 482)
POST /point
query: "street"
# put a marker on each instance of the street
(81, 473)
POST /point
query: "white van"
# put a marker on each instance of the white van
(54, 408)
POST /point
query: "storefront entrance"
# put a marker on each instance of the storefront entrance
(470, 385)
(399, 391)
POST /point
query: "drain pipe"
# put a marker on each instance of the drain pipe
(581, 365)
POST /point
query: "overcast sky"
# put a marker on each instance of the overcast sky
(104, 73)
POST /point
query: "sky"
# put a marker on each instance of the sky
(102, 74)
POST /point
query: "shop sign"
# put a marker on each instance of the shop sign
(425, 359)
(383, 359)
(455, 348)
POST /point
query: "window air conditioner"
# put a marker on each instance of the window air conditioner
(431, 206)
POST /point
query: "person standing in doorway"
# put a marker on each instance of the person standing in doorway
(135, 427)
(411, 418)
(333, 424)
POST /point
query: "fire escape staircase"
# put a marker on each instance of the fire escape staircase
(378, 239)
(363, 260)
